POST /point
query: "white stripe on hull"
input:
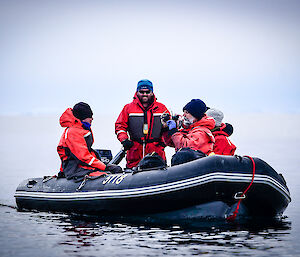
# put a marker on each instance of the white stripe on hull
(159, 189)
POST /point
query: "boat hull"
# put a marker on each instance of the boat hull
(175, 189)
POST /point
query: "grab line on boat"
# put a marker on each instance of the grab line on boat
(242, 195)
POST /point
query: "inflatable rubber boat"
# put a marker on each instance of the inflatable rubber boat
(215, 186)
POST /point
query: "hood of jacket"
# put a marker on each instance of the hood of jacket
(67, 119)
(220, 133)
(225, 129)
(206, 121)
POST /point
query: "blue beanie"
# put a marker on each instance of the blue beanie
(144, 84)
(196, 107)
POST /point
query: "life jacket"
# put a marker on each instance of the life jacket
(142, 125)
(75, 148)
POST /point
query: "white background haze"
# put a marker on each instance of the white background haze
(238, 56)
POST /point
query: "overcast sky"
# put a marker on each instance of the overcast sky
(238, 56)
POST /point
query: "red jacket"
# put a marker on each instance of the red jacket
(198, 136)
(131, 125)
(223, 145)
(75, 148)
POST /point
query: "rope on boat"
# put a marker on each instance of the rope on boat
(242, 195)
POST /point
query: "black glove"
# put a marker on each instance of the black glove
(113, 168)
(127, 144)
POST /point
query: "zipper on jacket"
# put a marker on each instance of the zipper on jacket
(145, 126)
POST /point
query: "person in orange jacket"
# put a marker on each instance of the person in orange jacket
(75, 146)
(221, 132)
(195, 138)
(138, 126)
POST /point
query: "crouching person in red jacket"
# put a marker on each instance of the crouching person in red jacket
(195, 139)
(75, 146)
(221, 132)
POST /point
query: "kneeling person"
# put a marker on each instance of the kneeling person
(75, 147)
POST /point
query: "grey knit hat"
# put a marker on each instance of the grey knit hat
(216, 114)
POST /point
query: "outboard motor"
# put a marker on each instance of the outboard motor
(104, 155)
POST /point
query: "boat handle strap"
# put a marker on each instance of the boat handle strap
(239, 195)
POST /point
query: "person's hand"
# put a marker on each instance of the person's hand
(113, 168)
(164, 118)
(171, 124)
(163, 123)
(127, 144)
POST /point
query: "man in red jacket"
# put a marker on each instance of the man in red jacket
(221, 132)
(195, 139)
(138, 126)
(75, 146)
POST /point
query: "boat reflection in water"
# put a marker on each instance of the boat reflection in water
(85, 234)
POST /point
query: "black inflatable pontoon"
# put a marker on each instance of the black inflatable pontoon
(207, 187)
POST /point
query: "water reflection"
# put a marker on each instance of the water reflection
(91, 235)
(47, 234)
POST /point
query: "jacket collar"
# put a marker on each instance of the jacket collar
(206, 121)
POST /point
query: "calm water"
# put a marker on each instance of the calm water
(29, 150)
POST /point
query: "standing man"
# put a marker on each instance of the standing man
(138, 126)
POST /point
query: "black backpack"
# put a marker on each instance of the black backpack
(151, 161)
(186, 155)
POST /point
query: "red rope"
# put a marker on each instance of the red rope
(234, 214)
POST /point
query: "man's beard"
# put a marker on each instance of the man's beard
(148, 101)
(188, 122)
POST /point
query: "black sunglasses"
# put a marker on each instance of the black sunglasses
(145, 92)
